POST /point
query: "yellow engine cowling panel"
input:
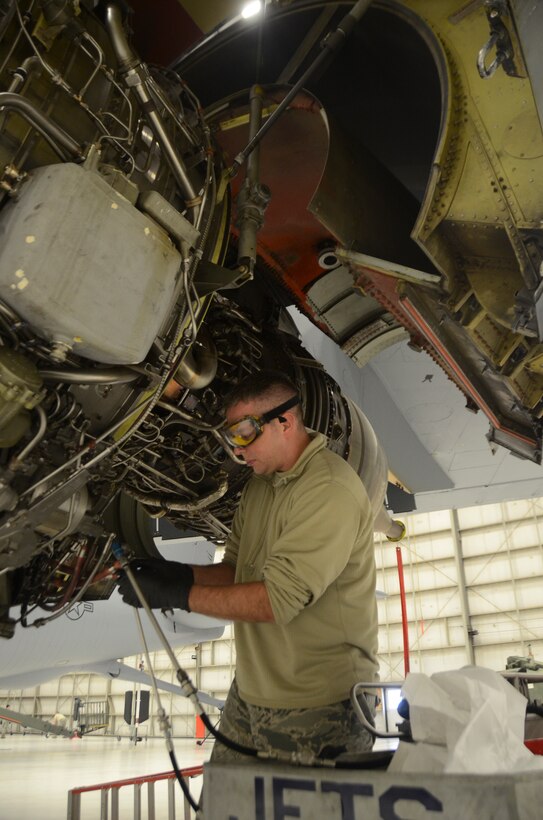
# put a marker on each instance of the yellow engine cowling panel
(483, 200)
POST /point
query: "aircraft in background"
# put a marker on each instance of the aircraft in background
(93, 635)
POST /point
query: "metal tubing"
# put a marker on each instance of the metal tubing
(28, 67)
(111, 375)
(166, 503)
(104, 804)
(147, 404)
(199, 365)
(150, 800)
(55, 136)
(114, 804)
(253, 198)
(197, 425)
(132, 68)
(255, 122)
(121, 46)
(137, 801)
(74, 806)
(17, 460)
(171, 799)
(405, 630)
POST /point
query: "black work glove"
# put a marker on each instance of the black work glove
(165, 584)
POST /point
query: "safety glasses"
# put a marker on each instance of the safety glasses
(244, 431)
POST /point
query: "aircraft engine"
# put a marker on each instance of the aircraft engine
(124, 316)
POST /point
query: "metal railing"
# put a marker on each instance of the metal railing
(109, 796)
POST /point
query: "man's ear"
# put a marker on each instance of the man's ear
(285, 420)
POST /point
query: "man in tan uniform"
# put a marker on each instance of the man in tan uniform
(297, 579)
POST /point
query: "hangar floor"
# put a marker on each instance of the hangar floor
(36, 772)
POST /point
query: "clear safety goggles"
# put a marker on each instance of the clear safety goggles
(244, 431)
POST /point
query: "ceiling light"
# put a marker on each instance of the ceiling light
(252, 8)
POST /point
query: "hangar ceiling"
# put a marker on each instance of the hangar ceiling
(212, 12)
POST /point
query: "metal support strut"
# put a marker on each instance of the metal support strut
(331, 43)
(253, 197)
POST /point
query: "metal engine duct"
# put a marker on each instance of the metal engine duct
(351, 435)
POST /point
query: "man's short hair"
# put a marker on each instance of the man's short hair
(265, 385)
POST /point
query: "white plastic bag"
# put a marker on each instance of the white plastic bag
(467, 721)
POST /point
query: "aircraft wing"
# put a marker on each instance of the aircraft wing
(436, 447)
(92, 634)
(121, 671)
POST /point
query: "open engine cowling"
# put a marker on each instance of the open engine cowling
(124, 318)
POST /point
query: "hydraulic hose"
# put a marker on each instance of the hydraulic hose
(189, 691)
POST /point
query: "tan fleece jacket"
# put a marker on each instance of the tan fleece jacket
(307, 533)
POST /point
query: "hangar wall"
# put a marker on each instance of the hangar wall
(473, 580)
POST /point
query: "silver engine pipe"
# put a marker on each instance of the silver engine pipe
(199, 365)
(58, 139)
(134, 73)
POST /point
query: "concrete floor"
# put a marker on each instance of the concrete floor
(36, 773)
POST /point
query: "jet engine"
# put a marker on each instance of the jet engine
(125, 315)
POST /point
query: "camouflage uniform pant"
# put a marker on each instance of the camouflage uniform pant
(325, 731)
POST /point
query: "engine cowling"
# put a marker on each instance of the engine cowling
(123, 320)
